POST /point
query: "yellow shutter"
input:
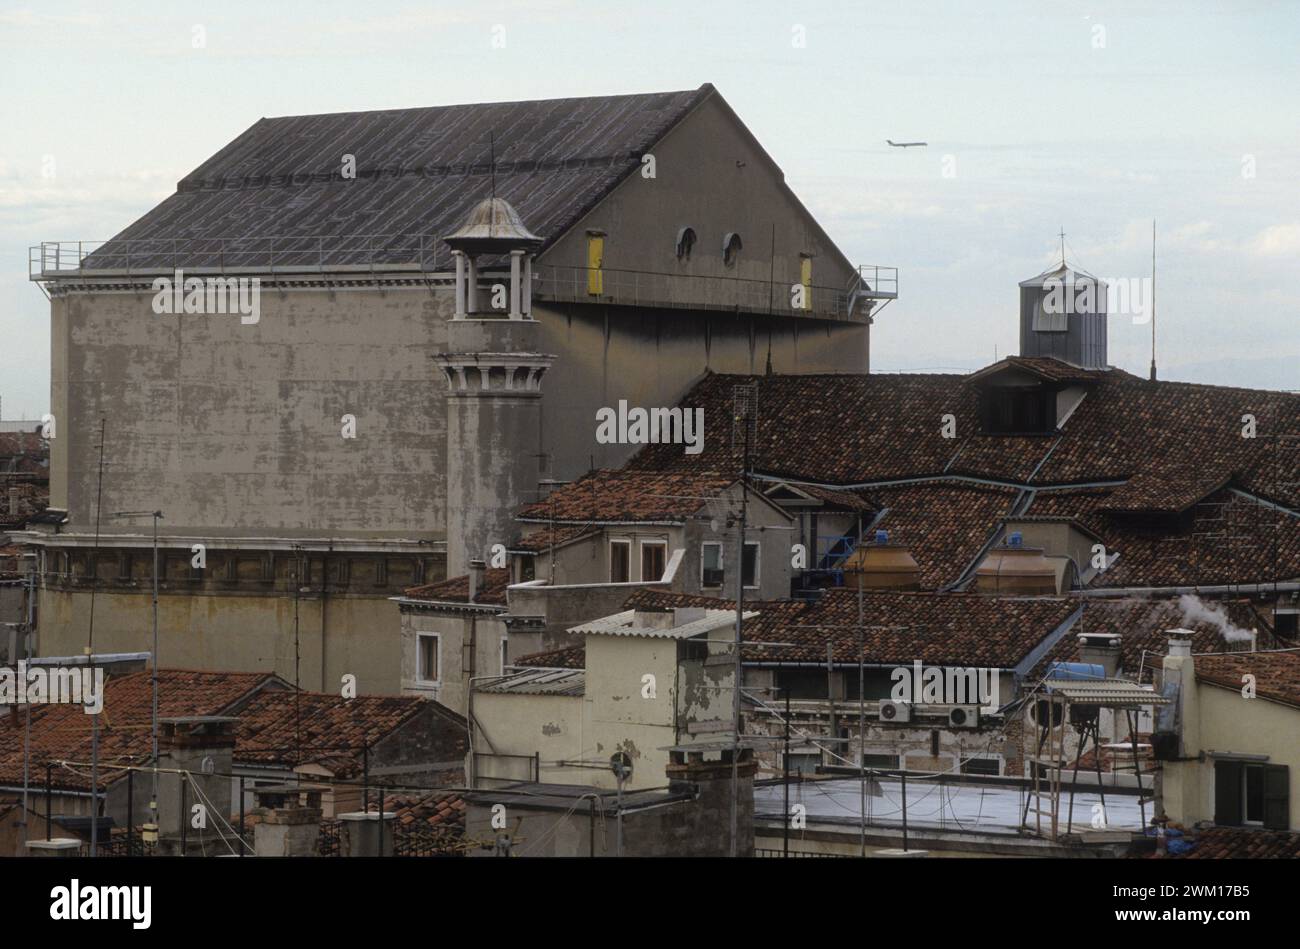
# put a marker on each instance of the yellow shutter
(595, 260)
(805, 277)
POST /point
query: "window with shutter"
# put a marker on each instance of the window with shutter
(1277, 797)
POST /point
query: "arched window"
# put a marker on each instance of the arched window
(731, 247)
(685, 241)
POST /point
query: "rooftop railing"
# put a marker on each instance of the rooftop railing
(420, 253)
(51, 260)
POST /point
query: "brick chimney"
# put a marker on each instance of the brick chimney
(289, 824)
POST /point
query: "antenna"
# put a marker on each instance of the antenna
(1062, 235)
(1153, 299)
(492, 161)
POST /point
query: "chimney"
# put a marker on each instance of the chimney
(1102, 649)
(476, 570)
(360, 834)
(1013, 568)
(289, 824)
(711, 779)
(884, 566)
(203, 747)
(13, 502)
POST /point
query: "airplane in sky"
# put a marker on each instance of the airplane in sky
(905, 144)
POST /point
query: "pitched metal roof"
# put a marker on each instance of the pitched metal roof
(621, 624)
(541, 682)
(419, 172)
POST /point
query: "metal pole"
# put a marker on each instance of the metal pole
(184, 822)
(130, 807)
(243, 843)
(153, 803)
(94, 780)
(904, 774)
(27, 718)
(862, 716)
(49, 799)
(740, 612)
(785, 844)
(618, 833)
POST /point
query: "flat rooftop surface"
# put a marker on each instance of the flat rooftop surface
(953, 807)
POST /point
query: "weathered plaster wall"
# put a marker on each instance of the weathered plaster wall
(236, 429)
(237, 634)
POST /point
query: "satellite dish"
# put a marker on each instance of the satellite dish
(620, 762)
(208, 765)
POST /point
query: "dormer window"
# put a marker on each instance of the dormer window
(731, 247)
(1019, 410)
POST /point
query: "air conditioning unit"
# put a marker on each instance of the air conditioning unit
(891, 711)
(964, 716)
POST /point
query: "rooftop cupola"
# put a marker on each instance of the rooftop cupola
(1063, 316)
(493, 229)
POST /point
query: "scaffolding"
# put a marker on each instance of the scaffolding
(1077, 703)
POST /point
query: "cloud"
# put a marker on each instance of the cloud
(1280, 240)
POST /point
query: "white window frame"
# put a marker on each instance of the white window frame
(662, 545)
(722, 564)
(625, 542)
(758, 565)
(419, 654)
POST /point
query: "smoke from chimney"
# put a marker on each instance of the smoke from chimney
(1196, 610)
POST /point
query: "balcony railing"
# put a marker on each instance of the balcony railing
(358, 252)
(420, 253)
(708, 292)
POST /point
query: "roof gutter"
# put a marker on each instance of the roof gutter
(1289, 586)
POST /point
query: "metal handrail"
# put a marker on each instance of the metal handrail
(274, 254)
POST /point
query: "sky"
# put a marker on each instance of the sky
(1095, 118)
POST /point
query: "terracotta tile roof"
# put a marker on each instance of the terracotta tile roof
(834, 497)
(856, 429)
(1143, 626)
(947, 628)
(1261, 544)
(1052, 370)
(442, 810)
(275, 724)
(571, 657)
(419, 172)
(1220, 843)
(1277, 674)
(629, 496)
(945, 524)
(542, 540)
(456, 589)
(62, 732)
